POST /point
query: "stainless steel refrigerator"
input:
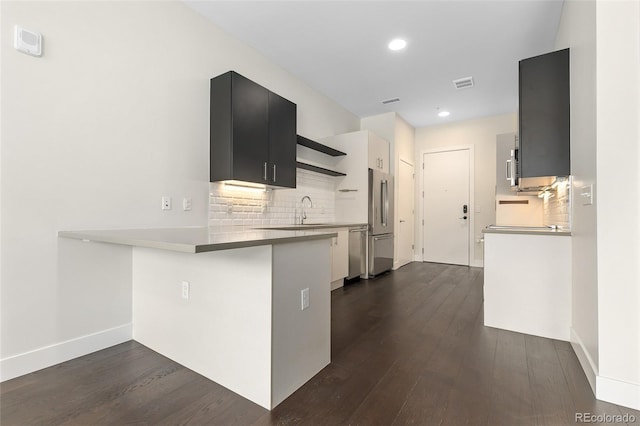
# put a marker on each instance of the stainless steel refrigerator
(380, 222)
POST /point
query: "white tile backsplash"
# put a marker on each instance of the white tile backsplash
(557, 204)
(230, 207)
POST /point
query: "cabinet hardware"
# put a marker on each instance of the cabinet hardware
(264, 173)
(347, 190)
(274, 172)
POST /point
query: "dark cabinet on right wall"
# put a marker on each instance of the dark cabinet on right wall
(544, 115)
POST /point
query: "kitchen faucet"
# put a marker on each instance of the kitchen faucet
(304, 212)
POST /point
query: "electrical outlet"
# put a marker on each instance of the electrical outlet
(186, 204)
(304, 299)
(166, 203)
(185, 289)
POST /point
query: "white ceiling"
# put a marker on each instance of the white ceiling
(340, 49)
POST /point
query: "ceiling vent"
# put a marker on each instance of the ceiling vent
(463, 83)
(390, 101)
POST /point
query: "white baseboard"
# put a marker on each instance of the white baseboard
(618, 392)
(28, 362)
(605, 388)
(473, 264)
(588, 366)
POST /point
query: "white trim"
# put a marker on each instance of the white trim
(28, 362)
(618, 392)
(588, 366)
(472, 180)
(407, 162)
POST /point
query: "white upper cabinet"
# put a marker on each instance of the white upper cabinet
(378, 153)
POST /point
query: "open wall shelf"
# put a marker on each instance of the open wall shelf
(318, 169)
(316, 146)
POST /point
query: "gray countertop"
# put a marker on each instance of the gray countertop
(197, 239)
(527, 230)
(314, 226)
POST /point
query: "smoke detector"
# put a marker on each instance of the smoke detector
(463, 83)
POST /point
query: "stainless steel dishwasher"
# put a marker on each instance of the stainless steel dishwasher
(357, 251)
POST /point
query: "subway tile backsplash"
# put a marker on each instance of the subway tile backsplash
(557, 205)
(232, 207)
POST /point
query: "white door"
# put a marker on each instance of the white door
(405, 213)
(446, 193)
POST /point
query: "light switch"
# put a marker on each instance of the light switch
(586, 194)
(304, 299)
(186, 204)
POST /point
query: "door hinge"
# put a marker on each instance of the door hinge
(422, 194)
(412, 247)
(422, 250)
(422, 222)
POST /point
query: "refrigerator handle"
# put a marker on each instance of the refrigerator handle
(385, 202)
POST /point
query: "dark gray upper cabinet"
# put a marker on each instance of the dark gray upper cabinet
(544, 117)
(252, 134)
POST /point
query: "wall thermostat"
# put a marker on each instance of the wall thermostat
(29, 42)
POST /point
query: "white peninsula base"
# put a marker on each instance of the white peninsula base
(242, 325)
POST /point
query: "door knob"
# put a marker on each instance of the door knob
(463, 217)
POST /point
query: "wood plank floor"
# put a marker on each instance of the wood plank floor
(408, 348)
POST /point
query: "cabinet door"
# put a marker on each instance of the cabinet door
(282, 141)
(383, 149)
(374, 155)
(378, 153)
(250, 152)
(340, 255)
(544, 115)
(504, 144)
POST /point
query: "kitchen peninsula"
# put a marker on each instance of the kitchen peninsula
(527, 280)
(229, 304)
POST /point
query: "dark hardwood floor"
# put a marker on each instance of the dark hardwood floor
(408, 348)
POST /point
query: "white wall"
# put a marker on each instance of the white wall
(605, 99)
(481, 133)
(114, 115)
(577, 31)
(618, 112)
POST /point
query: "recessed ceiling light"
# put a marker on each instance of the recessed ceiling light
(397, 44)
(443, 114)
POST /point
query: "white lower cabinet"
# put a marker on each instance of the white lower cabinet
(527, 284)
(339, 258)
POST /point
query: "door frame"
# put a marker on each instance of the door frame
(472, 206)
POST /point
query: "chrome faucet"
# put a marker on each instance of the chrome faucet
(304, 212)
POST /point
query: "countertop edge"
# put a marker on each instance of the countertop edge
(193, 248)
(311, 226)
(203, 248)
(88, 237)
(525, 232)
